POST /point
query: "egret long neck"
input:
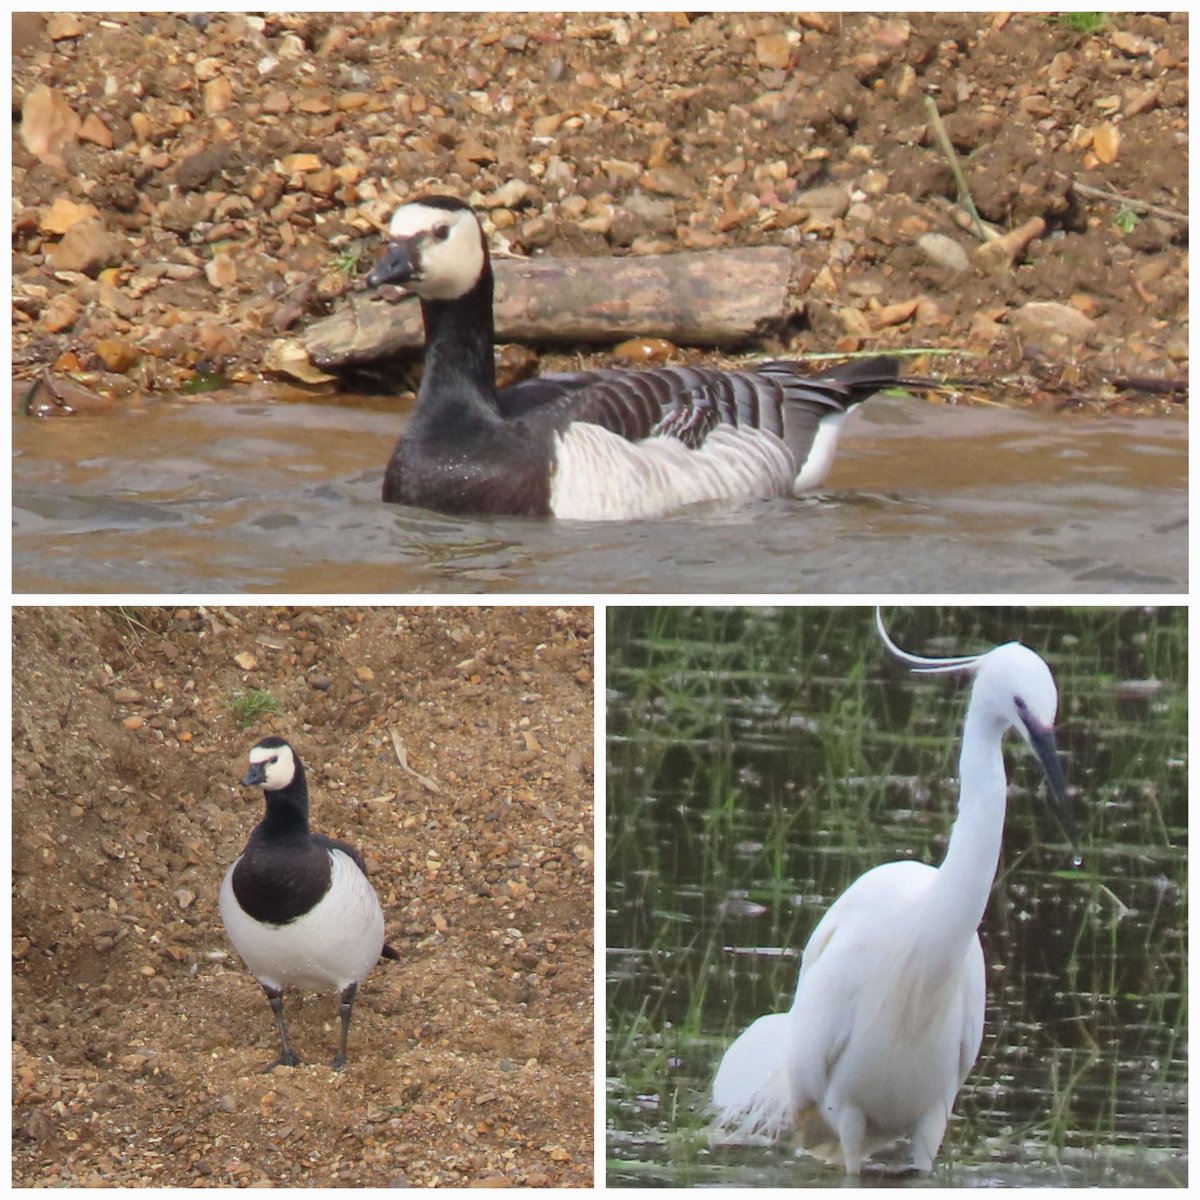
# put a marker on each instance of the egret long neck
(964, 880)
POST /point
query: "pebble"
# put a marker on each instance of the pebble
(117, 355)
(221, 271)
(944, 251)
(65, 212)
(87, 248)
(1046, 322)
(826, 203)
(61, 313)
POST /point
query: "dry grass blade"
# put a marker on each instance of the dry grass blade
(402, 758)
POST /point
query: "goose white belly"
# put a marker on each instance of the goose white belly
(334, 944)
(600, 476)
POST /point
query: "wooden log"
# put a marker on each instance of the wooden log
(706, 298)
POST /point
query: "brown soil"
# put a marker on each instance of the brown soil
(139, 1035)
(241, 167)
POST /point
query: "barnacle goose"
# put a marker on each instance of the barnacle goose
(591, 445)
(297, 905)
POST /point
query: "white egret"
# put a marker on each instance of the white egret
(888, 1014)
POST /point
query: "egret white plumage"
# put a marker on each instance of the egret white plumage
(887, 1018)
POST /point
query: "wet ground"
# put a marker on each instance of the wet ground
(252, 497)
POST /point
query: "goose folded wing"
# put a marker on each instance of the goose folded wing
(687, 403)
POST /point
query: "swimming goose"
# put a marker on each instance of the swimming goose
(297, 905)
(590, 445)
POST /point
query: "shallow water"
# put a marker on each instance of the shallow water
(760, 760)
(252, 497)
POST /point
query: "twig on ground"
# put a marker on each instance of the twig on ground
(1155, 210)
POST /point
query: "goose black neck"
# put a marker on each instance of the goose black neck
(287, 808)
(460, 339)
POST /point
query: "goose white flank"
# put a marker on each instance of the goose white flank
(297, 905)
(592, 445)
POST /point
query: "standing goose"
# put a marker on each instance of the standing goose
(888, 1014)
(590, 445)
(297, 905)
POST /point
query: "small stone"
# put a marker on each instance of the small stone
(208, 69)
(315, 103)
(65, 212)
(49, 125)
(246, 660)
(1106, 142)
(1143, 101)
(645, 350)
(321, 183)
(124, 695)
(364, 674)
(116, 355)
(184, 897)
(512, 194)
(826, 203)
(60, 314)
(218, 96)
(95, 131)
(548, 125)
(667, 181)
(221, 271)
(943, 251)
(294, 164)
(1131, 44)
(772, 50)
(61, 26)
(1045, 321)
(87, 248)
(134, 722)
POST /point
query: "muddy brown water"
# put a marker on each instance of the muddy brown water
(187, 496)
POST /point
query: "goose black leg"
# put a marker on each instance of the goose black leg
(347, 1007)
(287, 1056)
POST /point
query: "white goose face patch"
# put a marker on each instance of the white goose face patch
(279, 763)
(448, 247)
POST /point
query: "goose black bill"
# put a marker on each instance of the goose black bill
(397, 266)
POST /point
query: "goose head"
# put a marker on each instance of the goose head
(435, 249)
(272, 765)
